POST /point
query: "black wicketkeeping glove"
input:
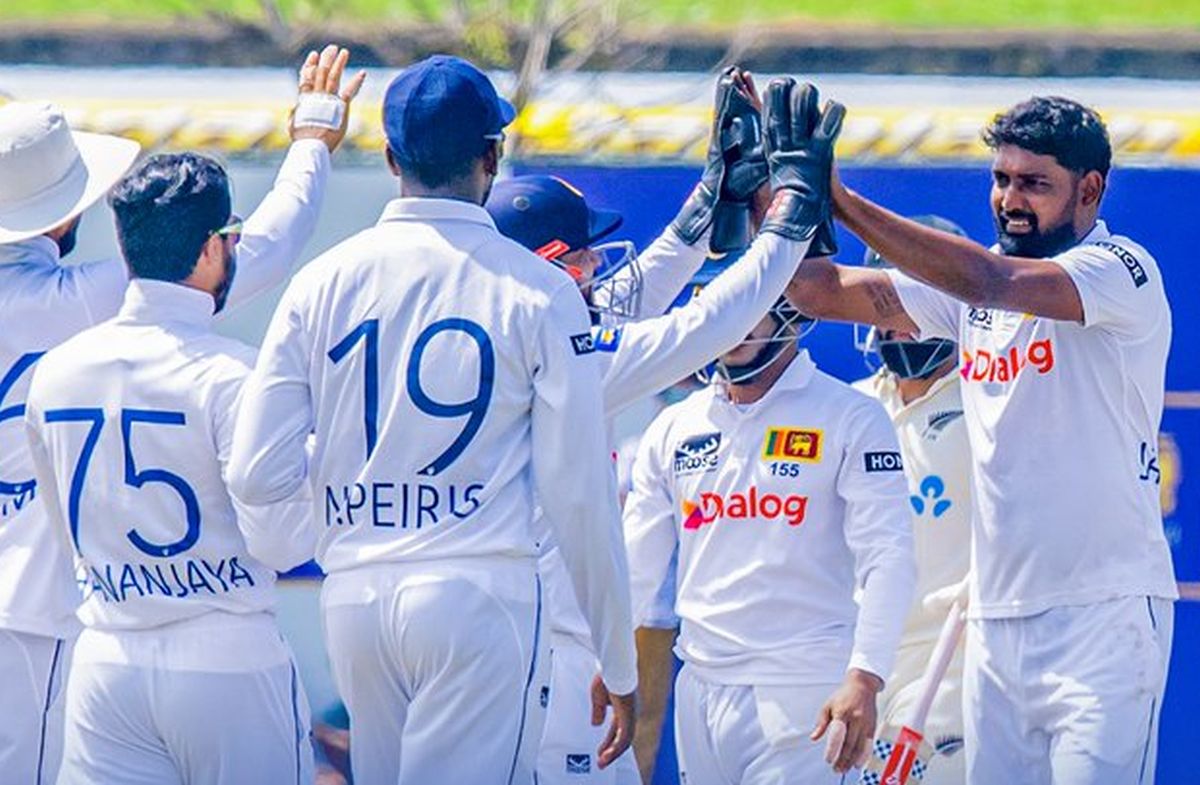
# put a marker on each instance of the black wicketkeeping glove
(735, 168)
(824, 242)
(800, 140)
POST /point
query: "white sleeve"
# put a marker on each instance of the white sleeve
(878, 531)
(667, 265)
(651, 534)
(936, 313)
(651, 355)
(575, 483)
(1116, 286)
(268, 461)
(280, 535)
(277, 231)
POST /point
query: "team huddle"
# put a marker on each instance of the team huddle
(430, 418)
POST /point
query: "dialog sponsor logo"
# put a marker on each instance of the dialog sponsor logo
(984, 366)
(744, 506)
(793, 444)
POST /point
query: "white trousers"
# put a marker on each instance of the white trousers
(436, 664)
(207, 702)
(570, 741)
(750, 735)
(944, 727)
(33, 671)
(1070, 696)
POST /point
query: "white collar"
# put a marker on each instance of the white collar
(409, 208)
(148, 301)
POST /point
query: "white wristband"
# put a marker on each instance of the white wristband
(319, 110)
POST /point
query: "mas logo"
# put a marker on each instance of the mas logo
(983, 366)
(793, 444)
(697, 454)
(743, 506)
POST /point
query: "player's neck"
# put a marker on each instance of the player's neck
(912, 389)
(754, 389)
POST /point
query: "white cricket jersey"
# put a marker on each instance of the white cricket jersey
(641, 357)
(130, 425)
(937, 463)
(780, 509)
(44, 302)
(1063, 422)
(448, 375)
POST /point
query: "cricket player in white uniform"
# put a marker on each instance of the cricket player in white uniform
(642, 356)
(448, 376)
(130, 426)
(784, 492)
(1063, 332)
(51, 175)
(917, 385)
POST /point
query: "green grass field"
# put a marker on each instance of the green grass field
(988, 14)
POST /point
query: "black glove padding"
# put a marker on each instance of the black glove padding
(735, 168)
(824, 242)
(800, 141)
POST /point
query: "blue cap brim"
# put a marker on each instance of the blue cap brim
(602, 223)
(507, 112)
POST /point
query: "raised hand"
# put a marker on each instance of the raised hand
(323, 107)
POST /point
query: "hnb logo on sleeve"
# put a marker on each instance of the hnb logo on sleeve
(579, 763)
(1136, 271)
(883, 461)
(697, 454)
(583, 343)
(606, 339)
(793, 444)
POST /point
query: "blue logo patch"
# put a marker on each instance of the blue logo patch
(933, 488)
(606, 339)
(580, 763)
(1136, 271)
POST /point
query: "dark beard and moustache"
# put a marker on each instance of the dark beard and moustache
(1035, 244)
(222, 292)
(66, 242)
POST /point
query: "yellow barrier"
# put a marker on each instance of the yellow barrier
(621, 133)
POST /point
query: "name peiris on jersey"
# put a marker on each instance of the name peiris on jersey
(447, 374)
(780, 509)
(43, 303)
(1063, 422)
(130, 425)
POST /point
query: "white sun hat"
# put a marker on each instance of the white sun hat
(48, 173)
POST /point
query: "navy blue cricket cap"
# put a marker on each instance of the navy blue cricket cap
(445, 105)
(548, 215)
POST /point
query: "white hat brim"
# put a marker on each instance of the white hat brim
(105, 159)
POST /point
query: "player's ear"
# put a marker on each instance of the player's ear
(1091, 188)
(491, 158)
(393, 167)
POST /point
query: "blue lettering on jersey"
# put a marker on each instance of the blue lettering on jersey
(178, 578)
(403, 505)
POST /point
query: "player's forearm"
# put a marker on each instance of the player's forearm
(659, 352)
(667, 265)
(276, 232)
(884, 605)
(955, 265)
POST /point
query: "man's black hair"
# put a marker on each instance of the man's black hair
(166, 209)
(1049, 125)
(434, 165)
